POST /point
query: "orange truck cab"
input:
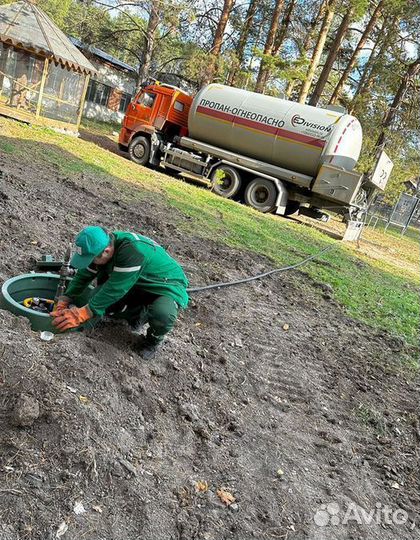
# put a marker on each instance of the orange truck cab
(157, 114)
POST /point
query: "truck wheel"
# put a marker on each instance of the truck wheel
(261, 194)
(226, 181)
(139, 150)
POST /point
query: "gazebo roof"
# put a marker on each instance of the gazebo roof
(23, 24)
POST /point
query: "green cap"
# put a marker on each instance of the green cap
(90, 242)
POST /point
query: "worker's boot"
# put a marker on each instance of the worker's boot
(147, 347)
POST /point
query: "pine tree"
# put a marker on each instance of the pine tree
(149, 41)
(281, 35)
(307, 44)
(332, 55)
(374, 63)
(269, 44)
(319, 47)
(243, 39)
(218, 41)
(412, 71)
(353, 59)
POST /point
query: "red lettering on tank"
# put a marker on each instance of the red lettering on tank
(264, 128)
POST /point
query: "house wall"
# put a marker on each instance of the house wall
(120, 81)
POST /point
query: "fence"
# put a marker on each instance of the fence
(404, 213)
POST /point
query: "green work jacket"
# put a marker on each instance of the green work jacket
(137, 261)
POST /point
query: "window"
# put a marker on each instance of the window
(98, 93)
(146, 99)
(178, 106)
(124, 103)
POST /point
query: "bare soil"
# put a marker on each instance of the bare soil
(267, 391)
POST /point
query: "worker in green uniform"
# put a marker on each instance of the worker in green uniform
(136, 281)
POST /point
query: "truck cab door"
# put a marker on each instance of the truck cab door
(140, 110)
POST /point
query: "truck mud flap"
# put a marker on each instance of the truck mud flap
(353, 231)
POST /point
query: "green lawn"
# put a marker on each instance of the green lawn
(376, 282)
(100, 128)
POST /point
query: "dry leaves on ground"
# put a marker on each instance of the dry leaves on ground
(225, 496)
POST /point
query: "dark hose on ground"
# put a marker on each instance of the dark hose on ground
(259, 276)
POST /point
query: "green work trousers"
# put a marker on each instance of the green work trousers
(139, 307)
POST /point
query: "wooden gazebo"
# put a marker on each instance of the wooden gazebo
(43, 76)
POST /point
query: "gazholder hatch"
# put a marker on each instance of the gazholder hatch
(15, 290)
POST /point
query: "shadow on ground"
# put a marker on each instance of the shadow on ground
(104, 141)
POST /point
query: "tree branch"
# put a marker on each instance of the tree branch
(171, 60)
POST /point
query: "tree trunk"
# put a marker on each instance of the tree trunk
(284, 27)
(368, 75)
(269, 44)
(250, 14)
(218, 41)
(319, 47)
(308, 42)
(412, 71)
(352, 62)
(332, 55)
(281, 34)
(248, 82)
(150, 37)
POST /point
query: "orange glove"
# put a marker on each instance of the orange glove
(71, 318)
(62, 304)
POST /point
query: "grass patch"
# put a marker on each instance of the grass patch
(101, 128)
(376, 283)
(372, 291)
(7, 147)
(370, 417)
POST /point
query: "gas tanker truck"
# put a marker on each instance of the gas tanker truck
(272, 154)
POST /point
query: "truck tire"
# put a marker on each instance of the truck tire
(261, 194)
(139, 150)
(226, 181)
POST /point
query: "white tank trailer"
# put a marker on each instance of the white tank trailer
(284, 133)
(276, 155)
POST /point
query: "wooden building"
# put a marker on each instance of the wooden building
(112, 87)
(43, 76)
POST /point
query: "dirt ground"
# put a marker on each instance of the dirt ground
(267, 394)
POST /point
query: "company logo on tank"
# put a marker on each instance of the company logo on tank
(242, 113)
(298, 120)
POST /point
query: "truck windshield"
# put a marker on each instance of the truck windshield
(146, 99)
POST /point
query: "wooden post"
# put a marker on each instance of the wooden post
(82, 101)
(4, 54)
(61, 90)
(41, 88)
